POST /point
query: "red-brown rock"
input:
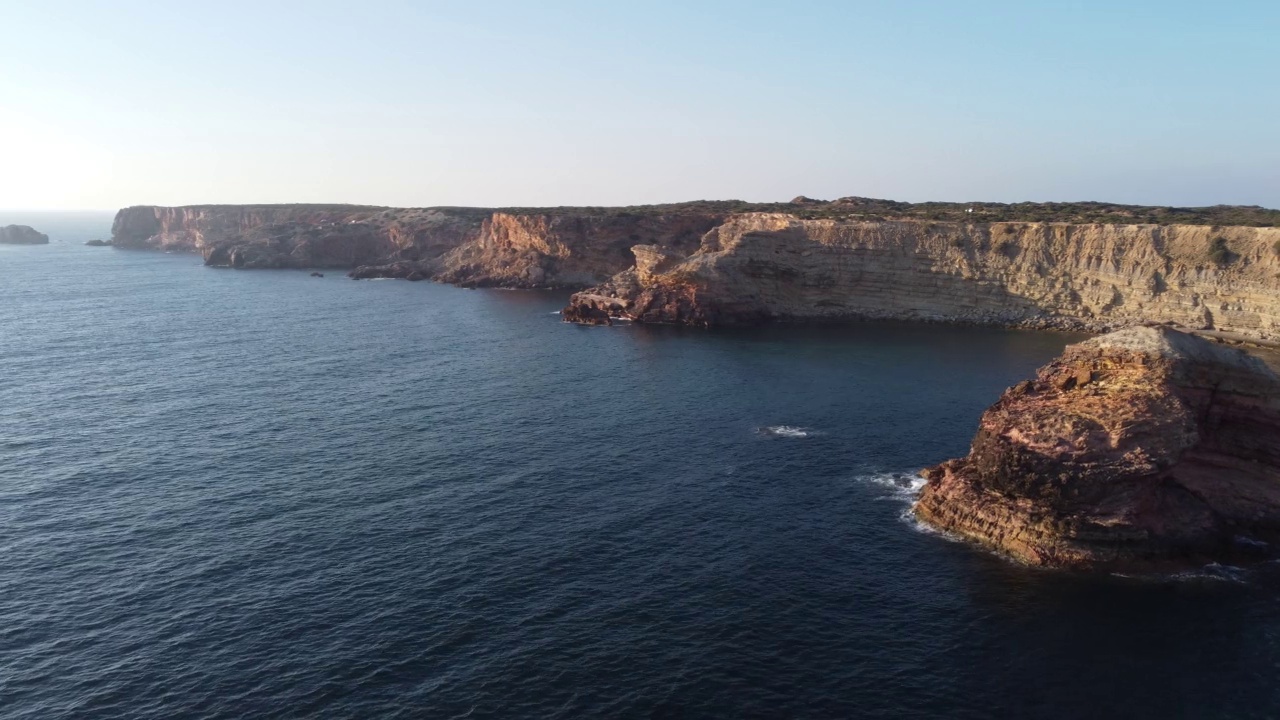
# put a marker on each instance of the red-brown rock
(1144, 448)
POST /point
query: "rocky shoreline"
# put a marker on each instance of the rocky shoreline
(1146, 447)
(760, 268)
(710, 264)
(1143, 449)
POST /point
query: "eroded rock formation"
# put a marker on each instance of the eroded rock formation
(771, 266)
(22, 235)
(1147, 448)
(465, 246)
(713, 263)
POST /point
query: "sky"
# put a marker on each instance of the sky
(1163, 102)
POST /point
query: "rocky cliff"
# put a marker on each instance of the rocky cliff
(252, 236)
(22, 235)
(1146, 448)
(467, 246)
(770, 266)
(709, 263)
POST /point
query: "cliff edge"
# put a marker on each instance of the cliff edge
(1079, 266)
(567, 248)
(1146, 448)
(762, 267)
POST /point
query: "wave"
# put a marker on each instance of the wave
(903, 483)
(787, 431)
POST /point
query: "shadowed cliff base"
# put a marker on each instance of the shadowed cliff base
(1144, 449)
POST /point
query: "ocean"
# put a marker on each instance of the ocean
(230, 494)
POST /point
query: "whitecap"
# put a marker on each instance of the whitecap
(1215, 572)
(901, 484)
(787, 431)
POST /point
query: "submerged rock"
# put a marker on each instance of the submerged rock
(22, 235)
(1146, 448)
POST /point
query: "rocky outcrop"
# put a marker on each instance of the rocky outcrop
(1146, 448)
(564, 250)
(22, 235)
(98, 243)
(771, 266)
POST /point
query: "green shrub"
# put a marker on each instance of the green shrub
(1219, 253)
(1008, 248)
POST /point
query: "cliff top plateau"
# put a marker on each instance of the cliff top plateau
(852, 208)
(1146, 449)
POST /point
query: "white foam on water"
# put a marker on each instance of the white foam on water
(555, 312)
(1213, 572)
(902, 486)
(787, 431)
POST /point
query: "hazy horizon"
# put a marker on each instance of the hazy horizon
(5, 213)
(571, 104)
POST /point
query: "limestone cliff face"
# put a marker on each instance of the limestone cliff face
(766, 266)
(457, 245)
(256, 235)
(22, 235)
(563, 250)
(1145, 448)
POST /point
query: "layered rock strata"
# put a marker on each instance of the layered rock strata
(1146, 448)
(458, 245)
(22, 235)
(712, 264)
(758, 267)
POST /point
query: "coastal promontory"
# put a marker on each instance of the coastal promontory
(22, 235)
(1079, 266)
(1147, 448)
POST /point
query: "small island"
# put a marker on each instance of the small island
(22, 235)
(1145, 449)
(99, 243)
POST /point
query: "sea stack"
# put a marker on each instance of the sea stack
(1143, 449)
(22, 235)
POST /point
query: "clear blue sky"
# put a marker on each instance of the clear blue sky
(104, 104)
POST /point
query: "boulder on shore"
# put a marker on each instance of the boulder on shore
(1146, 448)
(22, 235)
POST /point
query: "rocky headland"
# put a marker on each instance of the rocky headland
(1082, 266)
(764, 267)
(22, 235)
(518, 248)
(1143, 449)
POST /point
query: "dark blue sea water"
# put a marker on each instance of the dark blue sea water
(231, 494)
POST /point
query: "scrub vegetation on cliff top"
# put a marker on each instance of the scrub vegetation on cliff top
(1220, 253)
(872, 209)
(858, 208)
